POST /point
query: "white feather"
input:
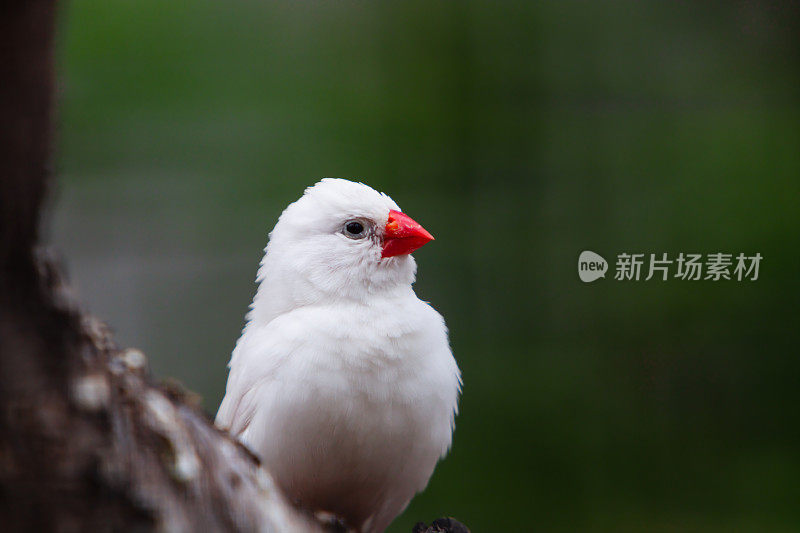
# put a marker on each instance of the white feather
(343, 381)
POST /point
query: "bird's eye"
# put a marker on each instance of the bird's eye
(354, 229)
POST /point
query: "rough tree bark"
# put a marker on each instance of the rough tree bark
(88, 442)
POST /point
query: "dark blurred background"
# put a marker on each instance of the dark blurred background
(520, 134)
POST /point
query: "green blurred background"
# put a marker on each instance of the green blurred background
(520, 134)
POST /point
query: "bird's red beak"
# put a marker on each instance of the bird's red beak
(403, 235)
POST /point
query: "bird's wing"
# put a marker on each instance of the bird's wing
(255, 360)
(238, 406)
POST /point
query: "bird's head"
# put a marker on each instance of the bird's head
(341, 239)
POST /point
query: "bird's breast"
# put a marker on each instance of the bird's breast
(355, 417)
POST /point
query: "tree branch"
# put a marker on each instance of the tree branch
(87, 441)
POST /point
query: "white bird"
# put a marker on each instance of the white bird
(343, 381)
